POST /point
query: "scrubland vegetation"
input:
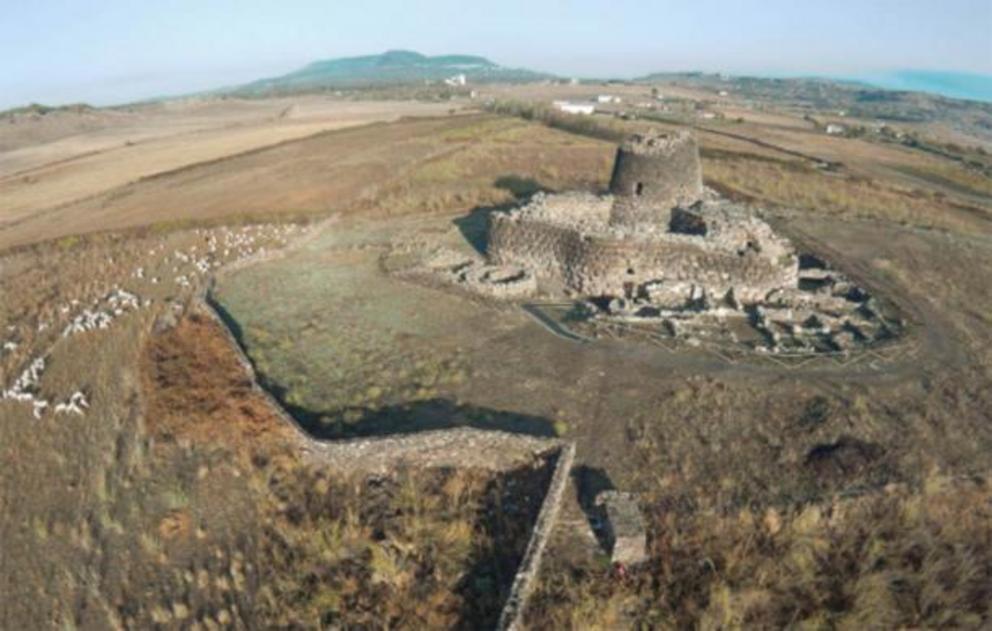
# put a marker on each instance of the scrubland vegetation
(894, 558)
(798, 186)
(818, 497)
(593, 127)
(414, 550)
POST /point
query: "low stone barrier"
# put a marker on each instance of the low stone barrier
(523, 582)
(386, 450)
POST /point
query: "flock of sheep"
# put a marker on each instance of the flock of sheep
(25, 387)
(223, 245)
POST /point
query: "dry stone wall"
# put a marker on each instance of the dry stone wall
(524, 581)
(606, 264)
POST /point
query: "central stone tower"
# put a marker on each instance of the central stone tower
(652, 175)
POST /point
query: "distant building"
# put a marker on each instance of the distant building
(575, 108)
(457, 80)
(723, 93)
(608, 98)
(835, 129)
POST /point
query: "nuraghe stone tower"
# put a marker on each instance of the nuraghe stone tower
(654, 233)
(652, 175)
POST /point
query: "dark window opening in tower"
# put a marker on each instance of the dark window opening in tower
(639, 188)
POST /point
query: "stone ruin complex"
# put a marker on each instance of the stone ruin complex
(653, 238)
(661, 248)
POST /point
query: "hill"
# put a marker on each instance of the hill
(38, 109)
(856, 99)
(395, 67)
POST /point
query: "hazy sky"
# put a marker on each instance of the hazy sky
(107, 51)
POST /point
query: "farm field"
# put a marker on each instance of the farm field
(60, 175)
(177, 493)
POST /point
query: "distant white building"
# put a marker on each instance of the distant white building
(575, 108)
(608, 98)
(724, 93)
(835, 129)
(457, 80)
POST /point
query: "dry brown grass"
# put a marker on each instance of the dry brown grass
(419, 549)
(897, 558)
(130, 147)
(197, 391)
(798, 186)
(491, 153)
(416, 549)
(317, 173)
(172, 503)
(954, 176)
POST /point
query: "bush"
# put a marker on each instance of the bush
(588, 126)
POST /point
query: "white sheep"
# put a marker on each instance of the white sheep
(75, 404)
(39, 408)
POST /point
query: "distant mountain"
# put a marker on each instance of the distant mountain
(394, 67)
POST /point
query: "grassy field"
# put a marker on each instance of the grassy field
(891, 559)
(190, 493)
(683, 430)
(821, 496)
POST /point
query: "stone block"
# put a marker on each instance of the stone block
(624, 527)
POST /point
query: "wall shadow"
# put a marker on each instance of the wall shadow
(506, 522)
(226, 318)
(411, 418)
(475, 225)
(590, 482)
(521, 187)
